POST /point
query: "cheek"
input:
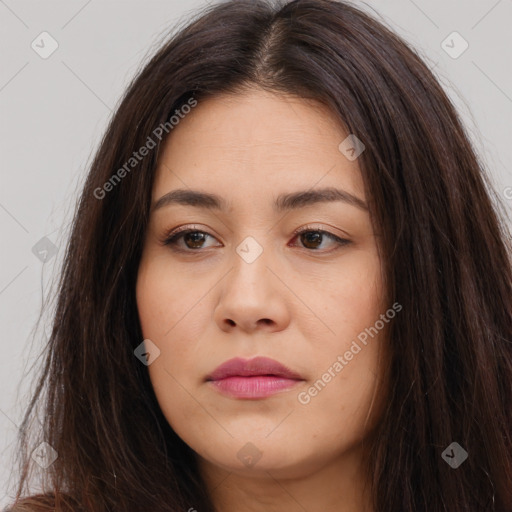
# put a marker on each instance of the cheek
(163, 303)
(344, 400)
(166, 302)
(351, 298)
(345, 391)
(172, 315)
(346, 410)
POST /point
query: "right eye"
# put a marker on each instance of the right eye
(193, 239)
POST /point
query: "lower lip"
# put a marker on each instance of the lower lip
(260, 386)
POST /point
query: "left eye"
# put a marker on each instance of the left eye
(194, 239)
(312, 239)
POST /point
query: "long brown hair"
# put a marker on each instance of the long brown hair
(445, 249)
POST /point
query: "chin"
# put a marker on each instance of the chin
(266, 458)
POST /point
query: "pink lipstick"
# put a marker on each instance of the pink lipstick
(253, 379)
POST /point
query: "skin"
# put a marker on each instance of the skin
(300, 302)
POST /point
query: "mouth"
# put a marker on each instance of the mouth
(256, 378)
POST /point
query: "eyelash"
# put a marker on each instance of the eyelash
(174, 236)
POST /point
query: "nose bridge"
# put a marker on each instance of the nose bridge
(250, 250)
(250, 297)
(251, 262)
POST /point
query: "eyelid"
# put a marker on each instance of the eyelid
(321, 228)
(194, 227)
(185, 227)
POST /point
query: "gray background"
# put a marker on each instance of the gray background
(53, 112)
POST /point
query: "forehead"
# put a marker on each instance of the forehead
(253, 143)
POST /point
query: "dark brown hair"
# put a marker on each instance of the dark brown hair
(445, 251)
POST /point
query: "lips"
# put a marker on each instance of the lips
(253, 379)
(259, 366)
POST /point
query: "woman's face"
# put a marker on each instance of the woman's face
(245, 285)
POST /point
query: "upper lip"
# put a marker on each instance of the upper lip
(251, 367)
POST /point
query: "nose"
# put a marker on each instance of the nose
(252, 297)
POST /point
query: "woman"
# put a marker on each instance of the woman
(286, 287)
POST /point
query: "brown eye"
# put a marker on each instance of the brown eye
(193, 240)
(313, 239)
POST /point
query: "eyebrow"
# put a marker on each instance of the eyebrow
(284, 202)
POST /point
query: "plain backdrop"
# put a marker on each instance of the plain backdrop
(53, 112)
